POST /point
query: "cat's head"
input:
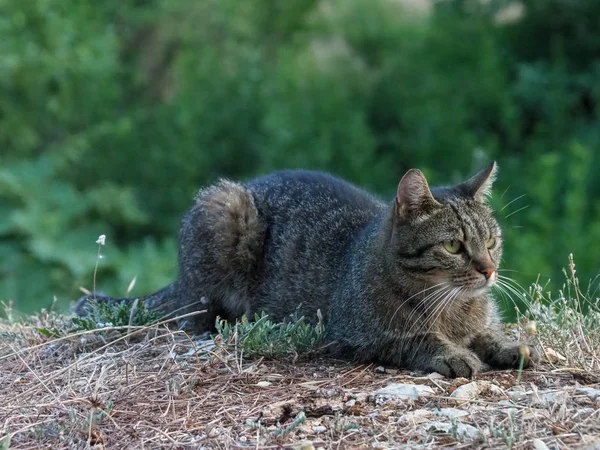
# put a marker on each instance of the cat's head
(447, 236)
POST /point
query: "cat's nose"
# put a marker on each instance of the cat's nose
(487, 271)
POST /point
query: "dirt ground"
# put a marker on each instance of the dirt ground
(159, 389)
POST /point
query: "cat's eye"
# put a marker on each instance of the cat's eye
(453, 246)
(491, 243)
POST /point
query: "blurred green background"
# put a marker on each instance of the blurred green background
(114, 113)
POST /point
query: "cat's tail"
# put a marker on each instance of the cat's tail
(163, 300)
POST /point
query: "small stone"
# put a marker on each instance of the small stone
(417, 416)
(304, 446)
(350, 403)
(319, 429)
(264, 384)
(452, 413)
(435, 376)
(538, 444)
(548, 398)
(475, 389)
(589, 391)
(461, 430)
(552, 356)
(403, 391)
(361, 396)
(380, 369)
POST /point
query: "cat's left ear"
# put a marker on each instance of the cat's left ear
(479, 186)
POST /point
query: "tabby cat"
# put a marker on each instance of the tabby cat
(406, 283)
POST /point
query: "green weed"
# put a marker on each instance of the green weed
(266, 338)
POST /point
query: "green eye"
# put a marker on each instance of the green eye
(491, 243)
(453, 246)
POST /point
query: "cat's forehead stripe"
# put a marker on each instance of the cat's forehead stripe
(469, 220)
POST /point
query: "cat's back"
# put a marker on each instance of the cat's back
(311, 219)
(307, 192)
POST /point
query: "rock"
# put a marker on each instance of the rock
(548, 398)
(552, 356)
(475, 389)
(435, 376)
(592, 393)
(264, 384)
(416, 416)
(538, 444)
(402, 391)
(452, 413)
(319, 429)
(460, 430)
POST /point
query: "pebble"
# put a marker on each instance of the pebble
(452, 413)
(538, 444)
(416, 416)
(473, 390)
(548, 398)
(402, 391)
(589, 391)
(462, 430)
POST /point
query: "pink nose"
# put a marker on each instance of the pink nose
(487, 271)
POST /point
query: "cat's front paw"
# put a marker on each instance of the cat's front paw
(509, 356)
(457, 364)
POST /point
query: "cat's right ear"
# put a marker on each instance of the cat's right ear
(414, 197)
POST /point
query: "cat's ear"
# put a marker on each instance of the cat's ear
(479, 186)
(414, 197)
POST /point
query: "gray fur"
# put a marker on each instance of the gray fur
(308, 239)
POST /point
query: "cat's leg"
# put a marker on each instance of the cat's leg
(432, 353)
(499, 352)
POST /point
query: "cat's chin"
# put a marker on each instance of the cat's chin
(476, 291)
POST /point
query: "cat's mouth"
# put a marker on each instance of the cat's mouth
(478, 286)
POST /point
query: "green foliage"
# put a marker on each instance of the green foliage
(112, 115)
(265, 338)
(107, 314)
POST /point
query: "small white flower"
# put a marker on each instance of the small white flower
(101, 239)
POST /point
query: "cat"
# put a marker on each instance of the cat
(405, 284)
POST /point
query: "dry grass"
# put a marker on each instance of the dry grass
(152, 387)
(146, 389)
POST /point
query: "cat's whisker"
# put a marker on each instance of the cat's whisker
(430, 302)
(518, 210)
(410, 298)
(436, 314)
(505, 294)
(512, 201)
(504, 193)
(431, 310)
(510, 291)
(519, 290)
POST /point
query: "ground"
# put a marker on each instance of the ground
(151, 387)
